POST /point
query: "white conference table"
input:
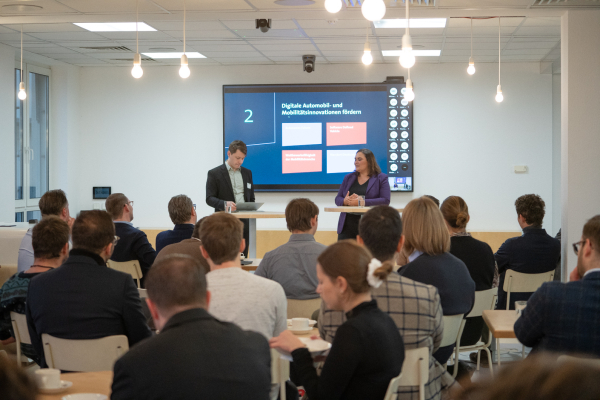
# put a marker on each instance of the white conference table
(252, 216)
(353, 209)
(10, 240)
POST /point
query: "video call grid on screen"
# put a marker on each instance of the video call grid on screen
(305, 137)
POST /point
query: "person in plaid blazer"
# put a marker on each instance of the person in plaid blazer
(414, 307)
(564, 317)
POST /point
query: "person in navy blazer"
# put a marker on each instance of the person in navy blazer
(533, 253)
(563, 317)
(183, 214)
(368, 182)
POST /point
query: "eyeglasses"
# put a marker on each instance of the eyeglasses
(115, 240)
(130, 202)
(576, 246)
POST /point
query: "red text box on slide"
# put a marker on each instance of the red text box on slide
(297, 161)
(344, 133)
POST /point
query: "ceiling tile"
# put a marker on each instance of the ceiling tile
(335, 32)
(206, 5)
(231, 54)
(189, 25)
(218, 34)
(337, 24)
(131, 35)
(480, 22)
(532, 45)
(62, 36)
(115, 6)
(542, 21)
(538, 31)
(255, 33)
(250, 23)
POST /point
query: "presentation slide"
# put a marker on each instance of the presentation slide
(305, 137)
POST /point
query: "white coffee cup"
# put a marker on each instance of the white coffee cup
(48, 378)
(300, 324)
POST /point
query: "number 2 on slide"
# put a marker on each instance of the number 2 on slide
(249, 116)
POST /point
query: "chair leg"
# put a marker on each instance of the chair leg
(490, 363)
(498, 351)
(479, 359)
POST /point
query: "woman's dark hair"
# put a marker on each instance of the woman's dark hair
(455, 212)
(349, 260)
(371, 161)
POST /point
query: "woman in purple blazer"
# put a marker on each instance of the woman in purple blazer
(366, 181)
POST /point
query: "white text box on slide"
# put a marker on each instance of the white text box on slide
(340, 161)
(301, 134)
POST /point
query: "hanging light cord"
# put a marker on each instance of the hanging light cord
(183, 26)
(21, 53)
(137, 50)
(499, 53)
(407, 19)
(471, 37)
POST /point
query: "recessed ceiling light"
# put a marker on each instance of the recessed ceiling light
(414, 23)
(294, 2)
(194, 54)
(21, 8)
(115, 27)
(417, 53)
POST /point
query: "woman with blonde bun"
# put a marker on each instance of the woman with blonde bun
(367, 351)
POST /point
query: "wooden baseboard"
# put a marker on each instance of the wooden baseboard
(269, 240)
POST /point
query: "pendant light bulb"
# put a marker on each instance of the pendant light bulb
(373, 10)
(333, 6)
(184, 71)
(137, 70)
(367, 57)
(499, 96)
(471, 68)
(22, 94)
(407, 58)
(409, 94)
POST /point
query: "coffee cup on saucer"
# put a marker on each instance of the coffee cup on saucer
(300, 324)
(48, 378)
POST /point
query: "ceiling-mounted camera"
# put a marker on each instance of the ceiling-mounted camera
(308, 62)
(263, 24)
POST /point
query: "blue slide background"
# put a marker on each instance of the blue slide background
(265, 160)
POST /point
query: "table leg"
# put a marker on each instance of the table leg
(252, 238)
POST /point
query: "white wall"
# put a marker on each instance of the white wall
(156, 137)
(7, 133)
(556, 139)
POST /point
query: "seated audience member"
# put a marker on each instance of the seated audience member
(15, 383)
(183, 214)
(539, 378)
(50, 240)
(428, 244)
(367, 351)
(195, 356)
(133, 243)
(53, 202)
(252, 302)
(83, 299)
(477, 256)
(190, 247)
(563, 317)
(414, 307)
(533, 253)
(294, 264)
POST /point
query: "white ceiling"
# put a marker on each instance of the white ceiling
(223, 30)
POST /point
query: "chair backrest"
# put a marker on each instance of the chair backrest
(451, 329)
(84, 355)
(518, 282)
(129, 267)
(415, 372)
(19, 324)
(302, 308)
(143, 293)
(484, 300)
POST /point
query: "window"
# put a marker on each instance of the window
(32, 120)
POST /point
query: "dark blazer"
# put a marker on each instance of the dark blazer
(220, 190)
(454, 283)
(84, 299)
(563, 317)
(133, 245)
(378, 193)
(180, 232)
(195, 356)
(533, 253)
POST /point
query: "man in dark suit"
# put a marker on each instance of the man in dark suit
(563, 317)
(231, 184)
(533, 253)
(83, 299)
(195, 356)
(183, 214)
(133, 243)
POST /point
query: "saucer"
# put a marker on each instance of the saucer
(300, 331)
(85, 396)
(311, 322)
(64, 385)
(315, 347)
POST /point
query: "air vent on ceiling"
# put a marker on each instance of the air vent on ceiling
(108, 48)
